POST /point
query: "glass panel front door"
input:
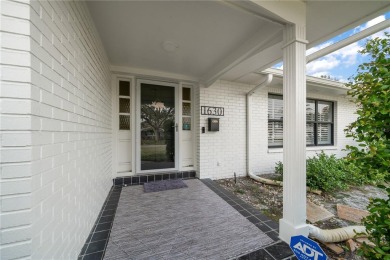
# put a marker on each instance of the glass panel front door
(157, 127)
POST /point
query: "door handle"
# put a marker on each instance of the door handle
(177, 127)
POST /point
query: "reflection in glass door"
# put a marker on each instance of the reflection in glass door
(157, 127)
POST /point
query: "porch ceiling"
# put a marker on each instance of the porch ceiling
(206, 32)
(214, 39)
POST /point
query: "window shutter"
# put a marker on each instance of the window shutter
(275, 123)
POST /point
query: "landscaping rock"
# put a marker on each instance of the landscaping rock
(352, 246)
(362, 240)
(316, 213)
(335, 248)
(351, 214)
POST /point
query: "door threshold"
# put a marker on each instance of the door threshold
(151, 177)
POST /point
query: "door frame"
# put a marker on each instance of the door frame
(138, 125)
(115, 124)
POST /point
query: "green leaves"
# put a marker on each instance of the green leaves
(378, 227)
(370, 89)
(328, 173)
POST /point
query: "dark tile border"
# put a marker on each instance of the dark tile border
(278, 249)
(96, 243)
(141, 179)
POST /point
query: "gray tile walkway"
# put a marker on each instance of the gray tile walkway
(187, 223)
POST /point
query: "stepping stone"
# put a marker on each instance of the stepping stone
(334, 248)
(351, 214)
(316, 213)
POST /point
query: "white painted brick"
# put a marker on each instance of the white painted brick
(15, 203)
(45, 110)
(15, 122)
(15, 9)
(51, 150)
(60, 114)
(10, 155)
(15, 90)
(11, 106)
(69, 76)
(16, 139)
(15, 235)
(41, 82)
(17, 250)
(10, 171)
(60, 137)
(15, 41)
(15, 25)
(50, 99)
(15, 187)
(18, 74)
(50, 125)
(15, 57)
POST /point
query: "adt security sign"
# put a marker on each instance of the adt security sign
(306, 249)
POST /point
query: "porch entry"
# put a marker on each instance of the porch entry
(155, 127)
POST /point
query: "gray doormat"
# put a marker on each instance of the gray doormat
(164, 185)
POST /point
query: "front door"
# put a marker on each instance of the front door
(157, 127)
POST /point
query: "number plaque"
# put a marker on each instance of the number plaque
(212, 111)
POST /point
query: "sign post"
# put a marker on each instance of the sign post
(306, 249)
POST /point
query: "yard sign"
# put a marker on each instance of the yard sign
(306, 249)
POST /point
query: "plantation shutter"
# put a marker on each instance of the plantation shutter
(310, 122)
(275, 120)
(324, 119)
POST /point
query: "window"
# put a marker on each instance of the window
(319, 122)
(124, 105)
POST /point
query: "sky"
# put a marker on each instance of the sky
(342, 64)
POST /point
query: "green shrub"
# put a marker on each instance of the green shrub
(328, 173)
(279, 168)
(378, 228)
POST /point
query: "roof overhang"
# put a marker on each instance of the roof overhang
(313, 84)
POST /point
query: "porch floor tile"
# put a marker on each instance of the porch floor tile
(198, 222)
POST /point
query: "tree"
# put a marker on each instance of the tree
(155, 115)
(370, 90)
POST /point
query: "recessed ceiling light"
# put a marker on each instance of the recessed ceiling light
(170, 46)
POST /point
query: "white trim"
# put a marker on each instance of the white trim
(312, 148)
(152, 74)
(348, 27)
(349, 40)
(193, 143)
(249, 48)
(324, 83)
(138, 126)
(115, 123)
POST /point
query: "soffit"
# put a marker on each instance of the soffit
(133, 33)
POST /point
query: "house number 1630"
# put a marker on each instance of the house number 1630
(212, 111)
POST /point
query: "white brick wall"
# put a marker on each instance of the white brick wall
(55, 128)
(223, 153)
(228, 146)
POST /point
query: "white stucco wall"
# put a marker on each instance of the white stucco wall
(223, 153)
(55, 127)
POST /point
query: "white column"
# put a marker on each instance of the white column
(294, 134)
